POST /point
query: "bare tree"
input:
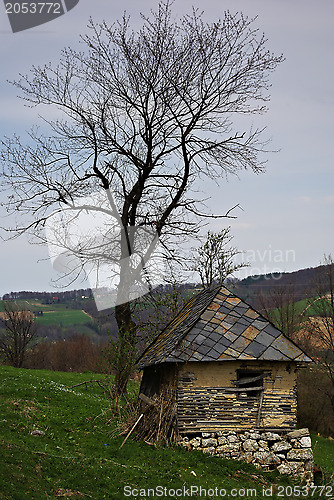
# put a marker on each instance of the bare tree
(19, 333)
(279, 304)
(214, 260)
(165, 303)
(142, 116)
(320, 327)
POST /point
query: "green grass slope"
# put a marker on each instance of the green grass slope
(55, 314)
(63, 318)
(77, 457)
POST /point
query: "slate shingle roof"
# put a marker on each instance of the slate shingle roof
(216, 325)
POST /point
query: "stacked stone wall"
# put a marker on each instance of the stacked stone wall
(288, 452)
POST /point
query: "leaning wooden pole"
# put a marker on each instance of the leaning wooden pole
(138, 420)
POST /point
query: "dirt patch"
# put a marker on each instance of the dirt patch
(91, 317)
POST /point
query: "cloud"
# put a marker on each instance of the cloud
(318, 200)
(305, 199)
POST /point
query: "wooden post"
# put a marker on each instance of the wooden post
(259, 410)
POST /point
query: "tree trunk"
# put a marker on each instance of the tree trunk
(127, 347)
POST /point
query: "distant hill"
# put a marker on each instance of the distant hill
(50, 297)
(302, 283)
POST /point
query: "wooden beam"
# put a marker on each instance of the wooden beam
(244, 389)
(147, 400)
(249, 380)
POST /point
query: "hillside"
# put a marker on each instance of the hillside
(301, 283)
(57, 441)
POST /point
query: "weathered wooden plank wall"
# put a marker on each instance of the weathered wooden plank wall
(209, 397)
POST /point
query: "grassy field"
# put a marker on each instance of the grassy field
(55, 314)
(36, 305)
(78, 457)
(64, 318)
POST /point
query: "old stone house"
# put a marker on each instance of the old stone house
(233, 373)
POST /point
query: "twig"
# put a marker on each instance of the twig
(89, 382)
(159, 423)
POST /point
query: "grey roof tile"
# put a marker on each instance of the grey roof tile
(242, 306)
(255, 349)
(203, 349)
(194, 332)
(207, 358)
(271, 330)
(230, 319)
(199, 339)
(286, 347)
(207, 315)
(260, 324)
(224, 310)
(213, 354)
(238, 328)
(222, 342)
(240, 344)
(210, 342)
(271, 354)
(229, 335)
(264, 338)
(192, 336)
(189, 347)
(216, 337)
(245, 321)
(209, 327)
(234, 313)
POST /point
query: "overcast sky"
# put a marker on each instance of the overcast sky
(287, 218)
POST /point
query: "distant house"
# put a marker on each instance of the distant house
(38, 313)
(231, 368)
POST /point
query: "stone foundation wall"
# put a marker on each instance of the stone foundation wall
(288, 452)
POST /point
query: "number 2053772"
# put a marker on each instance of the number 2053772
(306, 491)
(33, 8)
